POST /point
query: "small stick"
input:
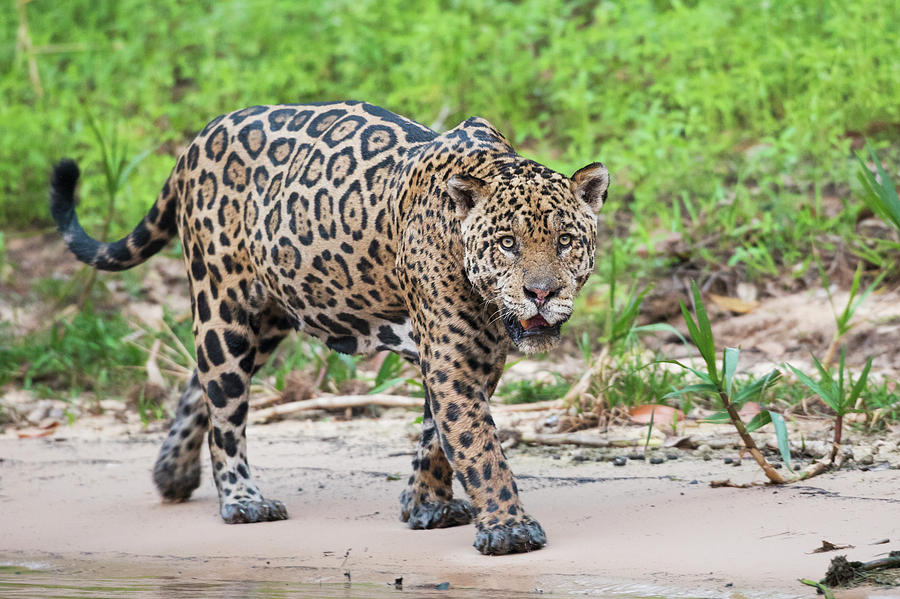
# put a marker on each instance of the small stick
(583, 439)
(550, 404)
(338, 402)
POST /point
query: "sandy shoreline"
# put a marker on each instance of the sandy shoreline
(86, 498)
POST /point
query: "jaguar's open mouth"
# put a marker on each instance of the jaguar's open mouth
(533, 327)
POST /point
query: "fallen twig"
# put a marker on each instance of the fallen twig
(583, 439)
(727, 483)
(892, 561)
(265, 401)
(337, 402)
(550, 404)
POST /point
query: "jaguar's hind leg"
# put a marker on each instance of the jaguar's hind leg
(177, 469)
(228, 345)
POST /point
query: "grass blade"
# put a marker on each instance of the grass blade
(700, 388)
(660, 327)
(693, 331)
(881, 197)
(706, 345)
(860, 384)
(758, 421)
(701, 375)
(824, 590)
(815, 388)
(720, 417)
(756, 387)
(649, 430)
(781, 435)
(729, 365)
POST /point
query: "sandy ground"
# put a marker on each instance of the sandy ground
(85, 498)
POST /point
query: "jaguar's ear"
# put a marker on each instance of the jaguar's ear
(590, 184)
(466, 191)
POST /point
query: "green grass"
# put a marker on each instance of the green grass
(732, 123)
(698, 129)
(528, 391)
(86, 353)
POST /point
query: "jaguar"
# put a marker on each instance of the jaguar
(370, 232)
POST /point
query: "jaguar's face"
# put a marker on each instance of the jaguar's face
(529, 236)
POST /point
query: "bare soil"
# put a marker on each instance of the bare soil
(84, 496)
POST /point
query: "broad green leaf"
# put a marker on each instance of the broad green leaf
(390, 367)
(886, 185)
(823, 372)
(511, 364)
(707, 346)
(718, 418)
(691, 326)
(824, 590)
(816, 388)
(875, 198)
(660, 327)
(882, 195)
(756, 387)
(701, 388)
(701, 375)
(840, 382)
(697, 338)
(758, 421)
(388, 384)
(782, 435)
(860, 384)
(729, 365)
(854, 302)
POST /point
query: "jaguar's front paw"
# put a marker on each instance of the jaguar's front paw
(435, 514)
(245, 512)
(517, 537)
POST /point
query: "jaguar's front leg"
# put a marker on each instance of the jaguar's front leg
(458, 385)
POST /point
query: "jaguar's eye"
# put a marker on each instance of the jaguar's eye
(565, 240)
(507, 242)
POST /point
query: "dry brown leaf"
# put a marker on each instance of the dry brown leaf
(734, 304)
(661, 415)
(826, 547)
(34, 433)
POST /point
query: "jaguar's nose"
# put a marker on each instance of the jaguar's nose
(541, 291)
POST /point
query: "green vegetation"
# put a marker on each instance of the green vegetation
(720, 385)
(528, 391)
(72, 355)
(727, 127)
(730, 129)
(840, 393)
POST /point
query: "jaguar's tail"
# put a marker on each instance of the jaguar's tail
(148, 237)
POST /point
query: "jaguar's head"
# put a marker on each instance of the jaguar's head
(529, 235)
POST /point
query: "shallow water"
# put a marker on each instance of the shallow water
(35, 581)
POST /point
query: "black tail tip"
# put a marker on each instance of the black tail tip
(65, 176)
(62, 191)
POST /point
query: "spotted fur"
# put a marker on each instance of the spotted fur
(369, 232)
